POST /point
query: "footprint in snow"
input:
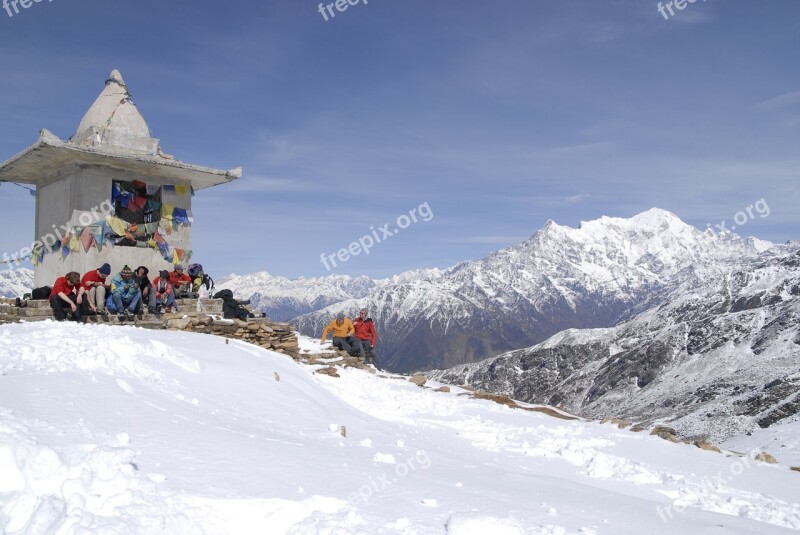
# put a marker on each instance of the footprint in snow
(124, 386)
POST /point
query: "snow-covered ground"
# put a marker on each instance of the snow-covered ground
(782, 441)
(123, 430)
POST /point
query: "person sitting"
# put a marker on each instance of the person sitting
(366, 334)
(125, 296)
(342, 333)
(202, 284)
(65, 292)
(181, 282)
(162, 294)
(94, 287)
(144, 282)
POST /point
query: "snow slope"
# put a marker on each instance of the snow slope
(783, 440)
(122, 430)
(15, 282)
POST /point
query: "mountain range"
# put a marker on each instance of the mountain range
(15, 282)
(282, 298)
(595, 276)
(720, 356)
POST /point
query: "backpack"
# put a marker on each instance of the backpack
(231, 308)
(200, 280)
(195, 270)
(41, 293)
(224, 295)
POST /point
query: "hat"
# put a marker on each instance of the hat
(105, 269)
(126, 271)
(163, 274)
(178, 266)
(340, 316)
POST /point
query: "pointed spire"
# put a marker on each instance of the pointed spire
(114, 122)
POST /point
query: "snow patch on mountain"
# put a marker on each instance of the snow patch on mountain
(282, 298)
(715, 359)
(15, 282)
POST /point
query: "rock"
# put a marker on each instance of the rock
(550, 412)
(667, 433)
(179, 323)
(619, 422)
(765, 457)
(499, 399)
(443, 389)
(418, 380)
(330, 371)
(703, 445)
(796, 468)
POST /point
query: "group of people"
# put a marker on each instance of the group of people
(357, 337)
(124, 294)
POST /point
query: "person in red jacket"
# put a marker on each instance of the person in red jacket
(162, 294)
(181, 282)
(366, 334)
(95, 286)
(65, 292)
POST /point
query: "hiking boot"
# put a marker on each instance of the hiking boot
(102, 312)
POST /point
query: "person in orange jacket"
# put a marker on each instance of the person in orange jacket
(343, 332)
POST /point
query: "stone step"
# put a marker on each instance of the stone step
(37, 303)
(211, 306)
(33, 312)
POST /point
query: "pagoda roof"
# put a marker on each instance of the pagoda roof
(112, 134)
(45, 161)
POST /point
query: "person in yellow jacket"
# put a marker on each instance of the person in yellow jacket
(343, 332)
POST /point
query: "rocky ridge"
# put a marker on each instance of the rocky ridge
(715, 359)
(591, 277)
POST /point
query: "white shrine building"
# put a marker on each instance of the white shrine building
(108, 193)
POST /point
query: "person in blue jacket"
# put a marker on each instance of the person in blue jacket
(125, 297)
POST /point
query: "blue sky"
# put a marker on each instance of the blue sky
(499, 116)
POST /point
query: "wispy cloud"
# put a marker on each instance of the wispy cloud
(500, 240)
(575, 199)
(780, 101)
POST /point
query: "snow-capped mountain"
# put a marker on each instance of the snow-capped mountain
(560, 278)
(281, 298)
(15, 282)
(719, 357)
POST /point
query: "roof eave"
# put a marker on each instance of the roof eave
(30, 165)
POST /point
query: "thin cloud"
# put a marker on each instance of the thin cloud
(491, 239)
(780, 101)
(575, 199)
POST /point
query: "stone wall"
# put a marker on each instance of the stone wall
(279, 337)
(262, 332)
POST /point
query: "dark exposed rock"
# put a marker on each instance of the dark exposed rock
(707, 371)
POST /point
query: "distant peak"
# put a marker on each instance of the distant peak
(655, 213)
